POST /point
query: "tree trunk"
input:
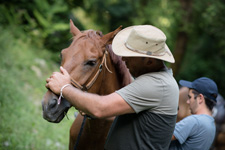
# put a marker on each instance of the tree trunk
(182, 35)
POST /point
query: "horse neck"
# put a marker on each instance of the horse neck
(119, 77)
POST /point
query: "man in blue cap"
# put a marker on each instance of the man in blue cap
(197, 131)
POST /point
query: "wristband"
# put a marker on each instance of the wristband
(61, 95)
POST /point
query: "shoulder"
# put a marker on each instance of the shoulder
(205, 120)
(197, 120)
(164, 77)
(201, 118)
(191, 120)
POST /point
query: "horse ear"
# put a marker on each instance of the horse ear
(107, 39)
(73, 29)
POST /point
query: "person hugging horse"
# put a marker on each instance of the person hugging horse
(145, 109)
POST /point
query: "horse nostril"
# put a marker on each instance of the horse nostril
(52, 103)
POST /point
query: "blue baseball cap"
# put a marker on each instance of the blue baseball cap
(203, 85)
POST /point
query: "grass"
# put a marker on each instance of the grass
(23, 70)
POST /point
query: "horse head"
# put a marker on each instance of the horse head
(83, 60)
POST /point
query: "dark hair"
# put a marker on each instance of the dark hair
(209, 103)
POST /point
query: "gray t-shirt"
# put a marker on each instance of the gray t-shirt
(154, 98)
(195, 132)
(157, 92)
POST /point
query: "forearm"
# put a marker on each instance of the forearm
(88, 103)
(95, 105)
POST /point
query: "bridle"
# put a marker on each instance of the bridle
(87, 86)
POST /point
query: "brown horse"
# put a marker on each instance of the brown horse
(218, 114)
(95, 68)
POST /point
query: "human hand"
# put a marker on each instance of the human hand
(57, 80)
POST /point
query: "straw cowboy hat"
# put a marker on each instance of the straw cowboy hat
(142, 41)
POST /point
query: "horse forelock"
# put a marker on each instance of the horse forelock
(92, 34)
(94, 38)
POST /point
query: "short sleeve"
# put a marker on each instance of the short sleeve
(143, 94)
(185, 128)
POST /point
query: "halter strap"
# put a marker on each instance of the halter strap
(88, 86)
(91, 82)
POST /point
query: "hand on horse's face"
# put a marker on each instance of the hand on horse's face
(57, 80)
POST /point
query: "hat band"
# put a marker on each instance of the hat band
(146, 52)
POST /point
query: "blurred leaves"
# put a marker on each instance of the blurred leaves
(201, 22)
(30, 28)
(206, 42)
(42, 19)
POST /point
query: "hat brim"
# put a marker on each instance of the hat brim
(119, 48)
(186, 84)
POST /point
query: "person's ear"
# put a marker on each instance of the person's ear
(148, 61)
(201, 98)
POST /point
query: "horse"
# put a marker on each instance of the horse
(94, 68)
(218, 114)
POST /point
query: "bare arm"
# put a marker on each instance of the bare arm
(173, 138)
(91, 104)
(95, 105)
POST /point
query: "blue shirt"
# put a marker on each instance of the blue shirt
(195, 132)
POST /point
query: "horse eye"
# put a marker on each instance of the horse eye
(91, 63)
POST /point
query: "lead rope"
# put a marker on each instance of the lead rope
(105, 63)
(79, 135)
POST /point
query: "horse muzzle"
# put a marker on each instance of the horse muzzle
(52, 111)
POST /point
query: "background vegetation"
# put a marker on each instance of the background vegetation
(34, 32)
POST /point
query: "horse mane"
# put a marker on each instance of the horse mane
(123, 72)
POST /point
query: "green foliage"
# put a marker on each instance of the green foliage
(107, 14)
(205, 29)
(37, 25)
(206, 52)
(163, 14)
(24, 69)
(45, 21)
(110, 14)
